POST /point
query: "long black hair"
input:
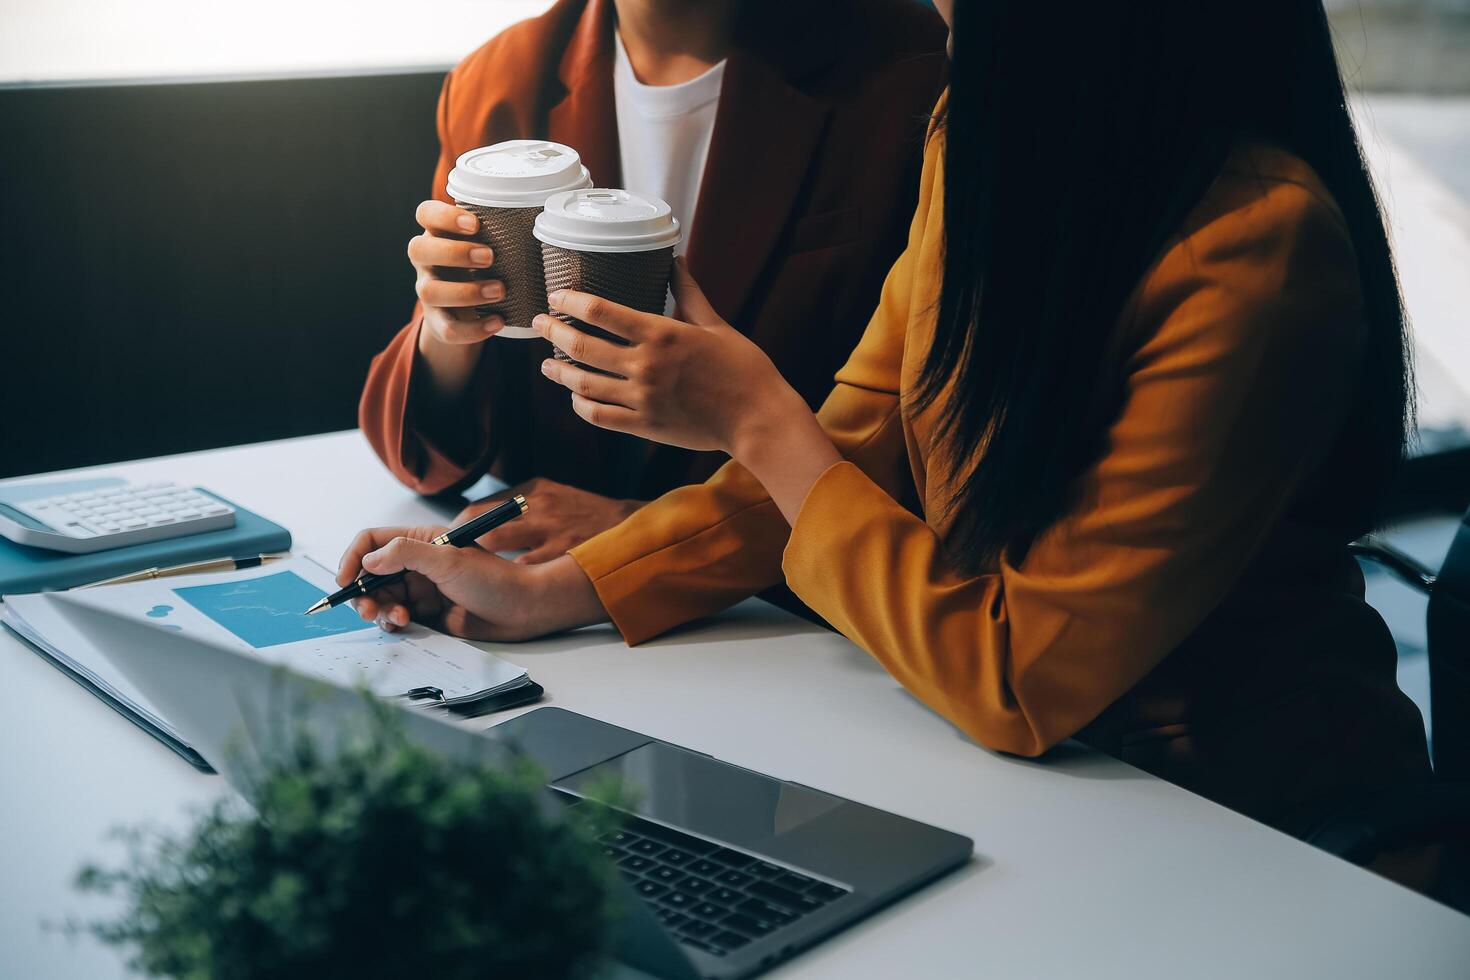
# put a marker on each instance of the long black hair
(1078, 137)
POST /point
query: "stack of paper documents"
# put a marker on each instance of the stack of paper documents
(261, 611)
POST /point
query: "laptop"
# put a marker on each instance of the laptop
(726, 872)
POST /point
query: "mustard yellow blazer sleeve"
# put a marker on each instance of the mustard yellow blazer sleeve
(1237, 355)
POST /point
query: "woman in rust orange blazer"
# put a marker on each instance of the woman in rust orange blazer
(1137, 380)
(810, 179)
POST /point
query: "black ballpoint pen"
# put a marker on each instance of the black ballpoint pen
(455, 537)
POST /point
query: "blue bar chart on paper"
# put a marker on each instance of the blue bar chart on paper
(268, 611)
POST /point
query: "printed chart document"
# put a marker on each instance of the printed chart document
(262, 611)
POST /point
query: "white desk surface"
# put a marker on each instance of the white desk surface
(1084, 867)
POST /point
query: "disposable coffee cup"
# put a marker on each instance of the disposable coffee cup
(611, 243)
(505, 186)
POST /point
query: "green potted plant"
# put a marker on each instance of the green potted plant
(377, 859)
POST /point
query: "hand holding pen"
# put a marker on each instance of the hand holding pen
(457, 537)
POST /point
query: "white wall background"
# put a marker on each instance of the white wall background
(73, 40)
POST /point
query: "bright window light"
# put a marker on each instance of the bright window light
(83, 40)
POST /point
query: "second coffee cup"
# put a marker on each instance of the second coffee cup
(615, 244)
(505, 186)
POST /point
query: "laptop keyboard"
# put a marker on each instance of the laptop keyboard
(713, 898)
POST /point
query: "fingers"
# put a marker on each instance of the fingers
(374, 538)
(375, 606)
(690, 300)
(434, 291)
(446, 218)
(449, 308)
(588, 384)
(450, 303)
(580, 346)
(366, 606)
(461, 326)
(459, 621)
(541, 555)
(438, 563)
(614, 417)
(626, 322)
(394, 616)
(395, 606)
(370, 540)
(426, 251)
(518, 534)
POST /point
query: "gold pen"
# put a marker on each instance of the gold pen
(193, 567)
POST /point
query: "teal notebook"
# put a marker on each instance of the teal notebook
(26, 569)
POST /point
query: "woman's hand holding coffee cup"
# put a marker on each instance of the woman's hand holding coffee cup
(694, 382)
(451, 327)
(699, 384)
(449, 304)
(478, 263)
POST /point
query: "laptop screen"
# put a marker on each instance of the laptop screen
(684, 789)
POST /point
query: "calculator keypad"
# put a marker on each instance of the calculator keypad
(162, 510)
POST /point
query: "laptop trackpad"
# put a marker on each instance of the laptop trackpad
(703, 795)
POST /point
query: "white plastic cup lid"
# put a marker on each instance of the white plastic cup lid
(516, 174)
(601, 219)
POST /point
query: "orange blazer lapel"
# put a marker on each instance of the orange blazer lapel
(586, 117)
(766, 132)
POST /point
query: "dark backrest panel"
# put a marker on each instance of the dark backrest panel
(192, 265)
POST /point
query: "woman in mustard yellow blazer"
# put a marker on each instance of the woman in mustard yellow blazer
(1137, 380)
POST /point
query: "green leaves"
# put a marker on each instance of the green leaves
(379, 858)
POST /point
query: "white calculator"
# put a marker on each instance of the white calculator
(113, 517)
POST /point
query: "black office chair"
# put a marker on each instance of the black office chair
(1421, 836)
(1448, 621)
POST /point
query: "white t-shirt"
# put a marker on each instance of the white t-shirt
(663, 135)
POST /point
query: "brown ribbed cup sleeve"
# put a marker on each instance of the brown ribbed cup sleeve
(517, 262)
(636, 279)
